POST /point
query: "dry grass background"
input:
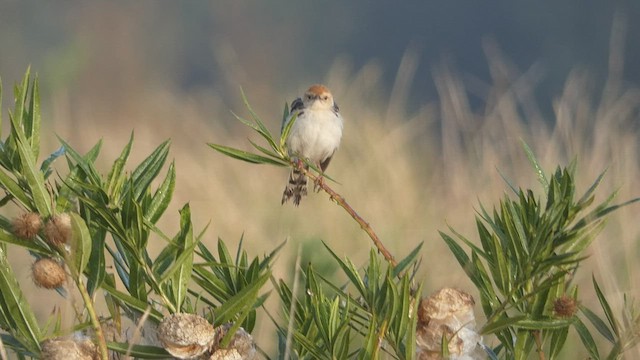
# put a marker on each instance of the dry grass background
(409, 173)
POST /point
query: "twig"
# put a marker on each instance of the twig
(538, 340)
(363, 224)
(97, 327)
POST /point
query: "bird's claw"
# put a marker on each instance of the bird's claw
(318, 183)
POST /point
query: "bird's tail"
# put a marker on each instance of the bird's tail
(296, 187)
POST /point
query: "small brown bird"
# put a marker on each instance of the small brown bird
(315, 136)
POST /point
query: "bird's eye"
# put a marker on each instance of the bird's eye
(326, 97)
(308, 97)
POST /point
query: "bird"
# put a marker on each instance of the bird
(314, 136)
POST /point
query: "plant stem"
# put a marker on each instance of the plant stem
(538, 340)
(97, 327)
(363, 224)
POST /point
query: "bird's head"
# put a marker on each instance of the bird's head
(318, 97)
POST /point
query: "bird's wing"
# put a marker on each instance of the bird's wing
(296, 107)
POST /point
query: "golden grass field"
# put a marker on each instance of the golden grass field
(409, 174)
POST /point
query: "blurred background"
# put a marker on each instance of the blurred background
(437, 97)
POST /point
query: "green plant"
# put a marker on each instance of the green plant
(98, 229)
(111, 221)
(523, 269)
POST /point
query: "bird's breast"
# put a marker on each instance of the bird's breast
(315, 135)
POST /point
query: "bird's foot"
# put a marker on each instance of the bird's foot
(318, 183)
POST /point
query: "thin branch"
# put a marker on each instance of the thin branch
(538, 340)
(95, 321)
(362, 222)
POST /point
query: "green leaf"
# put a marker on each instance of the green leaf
(144, 174)
(605, 307)
(80, 243)
(131, 302)
(247, 156)
(500, 324)
(286, 129)
(35, 177)
(31, 245)
(15, 307)
(96, 269)
(548, 324)
(242, 300)
(350, 270)
(587, 339)
(32, 121)
(85, 163)
(534, 162)
(558, 340)
(599, 324)
(407, 261)
(115, 180)
(261, 129)
(181, 270)
(45, 167)
(139, 351)
(12, 187)
(162, 197)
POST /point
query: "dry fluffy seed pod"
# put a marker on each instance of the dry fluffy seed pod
(186, 336)
(61, 349)
(226, 354)
(565, 306)
(58, 230)
(27, 225)
(48, 273)
(448, 312)
(241, 346)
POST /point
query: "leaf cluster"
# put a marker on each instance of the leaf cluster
(375, 312)
(529, 251)
(114, 221)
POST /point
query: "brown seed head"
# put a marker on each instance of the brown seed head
(66, 349)
(48, 273)
(565, 306)
(58, 230)
(27, 225)
(240, 347)
(186, 336)
(448, 313)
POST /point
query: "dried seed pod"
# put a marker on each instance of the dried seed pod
(65, 349)
(240, 347)
(186, 336)
(449, 313)
(226, 354)
(58, 230)
(48, 273)
(27, 225)
(565, 306)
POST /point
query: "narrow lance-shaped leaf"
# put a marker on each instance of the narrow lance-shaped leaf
(246, 156)
(605, 307)
(587, 339)
(14, 189)
(147, 171)
(115, 179)
(33, 175)
(45, 167)
(32, 122)
(16, 308)
(534, 162)
(184, 262)
(162, 197)
(96, 269)
(80, 243)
